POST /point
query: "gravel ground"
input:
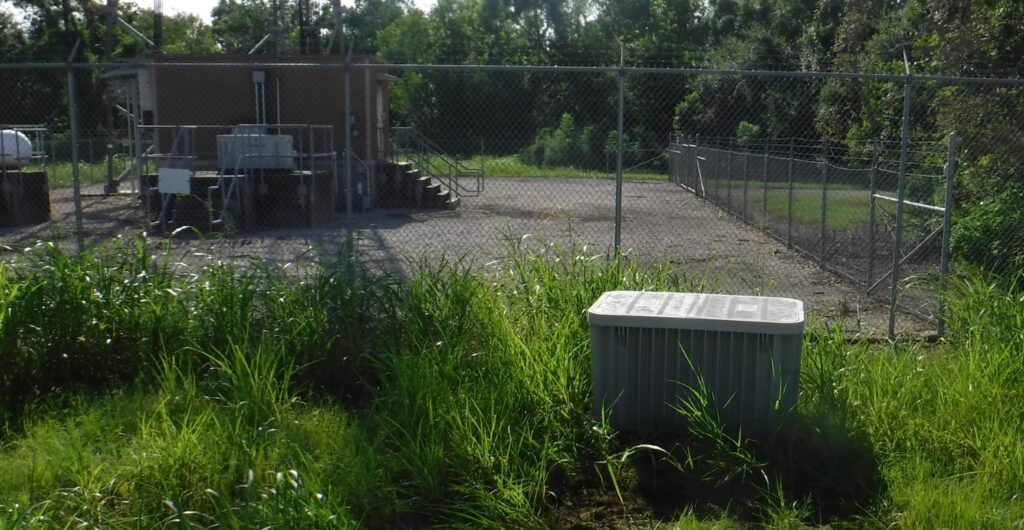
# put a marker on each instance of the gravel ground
(660, 221)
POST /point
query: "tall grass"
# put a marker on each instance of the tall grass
(513, 166)
(942, 424)
(138, 393)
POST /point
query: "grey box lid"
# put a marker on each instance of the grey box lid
(713, 312)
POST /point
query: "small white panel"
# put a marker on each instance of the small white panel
(757, 314)
(173, 180)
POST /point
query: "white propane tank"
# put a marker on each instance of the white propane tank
(15, 149)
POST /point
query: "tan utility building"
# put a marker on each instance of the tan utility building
(303, 89)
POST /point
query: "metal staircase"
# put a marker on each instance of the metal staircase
(435, 173)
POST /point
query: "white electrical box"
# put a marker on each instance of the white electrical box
(253, 147)
(649, 347)
(174, 180)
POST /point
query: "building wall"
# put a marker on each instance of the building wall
(226, 96)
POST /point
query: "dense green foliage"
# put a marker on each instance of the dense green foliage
(566, 145)
(137, 395)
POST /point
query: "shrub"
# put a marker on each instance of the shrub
(566, 145)
(746, 131)
(989, 233)
(638, 146)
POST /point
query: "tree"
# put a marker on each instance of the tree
(239, 25)
(12, 37)
(367, 18)
(184, 33)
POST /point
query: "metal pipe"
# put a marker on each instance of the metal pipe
(110, 15)
(728, 189)
(75, 176)
(789, 206)
(920, 246)
(108, 52)
(871, 214)
(618, 150)
(901, 195)
(256, 97)
(158, 25)
(348, 146)
(528, 68)
(339, 30)
(764, 195)
(259, 44)
(135, 33)
(947, 221)
(909, 203)
(824, 205)
(696, 165)
(136, 121)
(747, 177)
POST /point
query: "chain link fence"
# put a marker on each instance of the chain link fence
(850, 192)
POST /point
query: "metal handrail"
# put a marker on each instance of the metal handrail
(366, 167)
(432, 146)
(425, 153)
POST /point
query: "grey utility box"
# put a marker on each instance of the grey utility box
(746, 348)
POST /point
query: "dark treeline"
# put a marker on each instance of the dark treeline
(570, 119)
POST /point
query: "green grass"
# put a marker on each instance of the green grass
(60, 175)
(512, 166)
(847, 207)
(844, 210)
(755, 185)
(138, 396)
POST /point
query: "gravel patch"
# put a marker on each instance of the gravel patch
(660, 221)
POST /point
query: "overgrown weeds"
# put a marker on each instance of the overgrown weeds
(138, 392)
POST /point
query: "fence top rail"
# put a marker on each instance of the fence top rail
(231, 126)
(814, 152)
(525, 68)
(799, 141)
(851, 166)
(24, 126)
(909, 203)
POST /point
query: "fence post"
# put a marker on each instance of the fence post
(718, 173)
(90, 157)
(728, 189)
(764, 195)
(746, 176)
(824, 205)
(135, 121)
(75, 176)
(348, 150)
(697, 179)
(900, 195)
(669, 161)
(947, 218)
(789, 205)
(871, 213)
(618, 150)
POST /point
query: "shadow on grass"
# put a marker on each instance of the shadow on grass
(827, 470)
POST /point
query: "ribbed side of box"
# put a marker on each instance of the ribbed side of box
(640, 376)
